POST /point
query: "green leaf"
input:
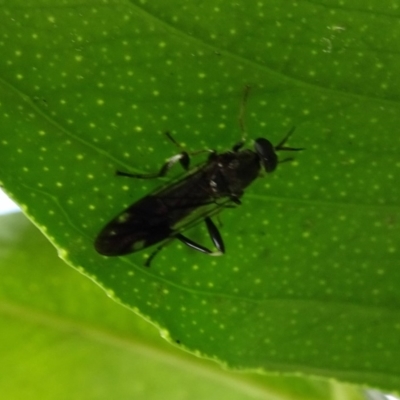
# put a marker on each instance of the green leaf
(62, 338)
(309, 281)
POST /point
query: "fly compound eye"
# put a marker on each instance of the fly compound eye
(265, 150)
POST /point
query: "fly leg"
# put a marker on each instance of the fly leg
(154, 253)
(183, 158)
(242, 124)
(215, 237)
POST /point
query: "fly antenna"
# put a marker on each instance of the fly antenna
(281, 144)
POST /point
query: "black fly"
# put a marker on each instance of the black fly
(202, 192)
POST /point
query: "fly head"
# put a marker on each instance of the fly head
(266, 152)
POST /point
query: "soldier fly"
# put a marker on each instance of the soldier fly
(201, 193)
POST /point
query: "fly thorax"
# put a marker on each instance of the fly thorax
(219, 184)
(233, 172)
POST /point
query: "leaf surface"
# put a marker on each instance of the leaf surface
(309, 281)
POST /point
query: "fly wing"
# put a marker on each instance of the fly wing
(162, 214)
(139, 226)
(200, 213)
